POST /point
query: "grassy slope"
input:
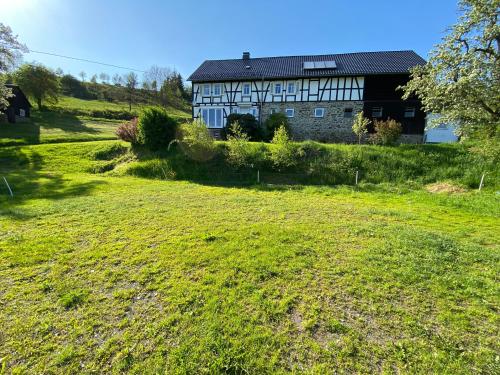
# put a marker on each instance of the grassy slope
(52, 126)
(101, 273)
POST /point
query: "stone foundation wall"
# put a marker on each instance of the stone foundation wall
(333, 127)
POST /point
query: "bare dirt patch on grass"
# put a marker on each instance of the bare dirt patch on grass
(445, 187)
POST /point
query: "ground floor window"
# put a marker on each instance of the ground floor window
(319, 112)
(290, 112)
(347, 112)
(213, 117)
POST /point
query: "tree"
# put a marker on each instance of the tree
(59, 72)
(104, 77)
(82, 75)
(360, 125)
(117, 80)
(93, 79)
(131, 84)
(156, 75)
(461, 81)
(38, 82)
(10, 52)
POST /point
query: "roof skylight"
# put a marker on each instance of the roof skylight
(309, 65)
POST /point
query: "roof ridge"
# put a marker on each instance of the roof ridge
(324, 54)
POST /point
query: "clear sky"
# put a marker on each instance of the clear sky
(182, 34)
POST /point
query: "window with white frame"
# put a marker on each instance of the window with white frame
(277, 89)
(290, 90)
(217, 89)
(273, 111)
(319, 112)
(409, 112)
(206, 89)
(290, 112)
(377, 112)
(212, 117)
(247, 89)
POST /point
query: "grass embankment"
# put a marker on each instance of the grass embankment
(101, 273)
(72, 120)
(317, 164)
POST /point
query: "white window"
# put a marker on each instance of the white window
(377, 112)
(347, 112)
(290, 112)
(291, 88)
(212, 117)
(206, 89)
(319, 112)
(273, 111)
(247, 89)
(217, 89)
(277, 89)
(409, 112)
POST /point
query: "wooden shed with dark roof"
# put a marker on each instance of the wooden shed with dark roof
(19, 105)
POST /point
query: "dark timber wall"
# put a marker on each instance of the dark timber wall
(380, 91)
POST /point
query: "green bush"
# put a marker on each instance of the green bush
(283, 154)
(386, 132)
(273, 122)
(195, 140)
(248, 124)
(238, 150)
(156, 129)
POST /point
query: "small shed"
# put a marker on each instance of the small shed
(19, 105)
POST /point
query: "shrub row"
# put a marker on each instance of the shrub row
(98, 113)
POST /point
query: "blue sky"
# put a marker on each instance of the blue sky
(181, 34)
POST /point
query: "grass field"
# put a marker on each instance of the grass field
(59, 124)
(103, 273)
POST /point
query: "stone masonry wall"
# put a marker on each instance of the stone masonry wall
(333, 127)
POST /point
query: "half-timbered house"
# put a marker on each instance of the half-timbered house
(319, 94)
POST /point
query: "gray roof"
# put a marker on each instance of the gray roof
(359, 63)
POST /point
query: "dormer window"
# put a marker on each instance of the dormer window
(247, 89)
(206, 89)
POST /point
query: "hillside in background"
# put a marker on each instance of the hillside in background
(73, 119)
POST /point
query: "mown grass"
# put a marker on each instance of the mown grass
(72, 120)
(100, 273)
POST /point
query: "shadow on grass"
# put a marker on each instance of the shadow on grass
(28, 130)
(27, 180)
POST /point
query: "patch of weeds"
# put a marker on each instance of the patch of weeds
(207, 237)
(46, 287)
(334, 326)
(66, 355)
(72, 298)
(124, 294)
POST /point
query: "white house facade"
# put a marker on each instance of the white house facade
(319, 94)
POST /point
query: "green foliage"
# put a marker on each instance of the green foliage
(196, 141)
(283, 154)
(156, 129)
(238, 150)
(247, 123)
(360, 125)
(273, 122)
(38, 82)
(71, 86)
(461, 81)
(72, 299)
(386, 132)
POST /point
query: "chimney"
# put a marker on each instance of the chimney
(246, 55)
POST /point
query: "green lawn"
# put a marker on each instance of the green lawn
(106, 273)
(58, 124)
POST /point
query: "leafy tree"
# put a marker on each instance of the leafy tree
(104, 77)
(238, 150)
(82, 75)
(38, 82)
(73, 87)
(360, 125)
(10, 52)
(117, 80)
(283, 154)
(461, 81)
(273, 122)
(93, 79)
(195, 140)
(248, 124)
(131, 84)
(59, 72)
